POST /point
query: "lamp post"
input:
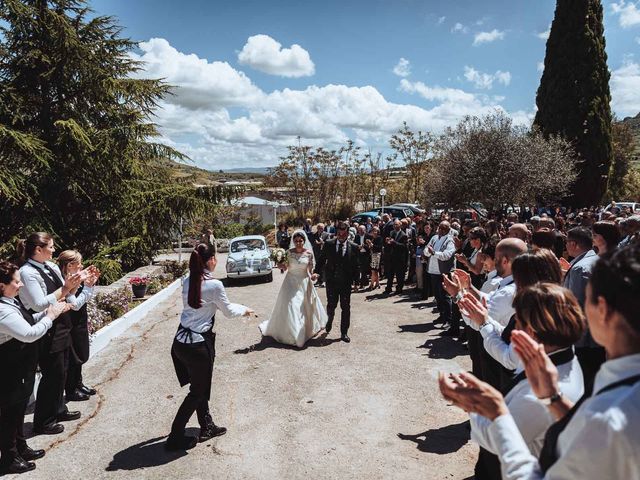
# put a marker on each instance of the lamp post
(383, 192)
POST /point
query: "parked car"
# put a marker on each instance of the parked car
(362, 217)
(395, 211)
(632, 206)
(249, 256)
(415, 208)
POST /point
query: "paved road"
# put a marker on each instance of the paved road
(369, 409)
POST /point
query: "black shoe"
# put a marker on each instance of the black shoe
(51, 429)
(398, 292)
(327, 327)
(387, 292)
(345, 338)
(450, 333)
(17, 465)
(31, 454)
(183, 442)
(77, 396)
(87, 390)
(68, 416)
(211, 431)
(434, 310)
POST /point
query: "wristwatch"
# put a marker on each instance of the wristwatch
(553, 398)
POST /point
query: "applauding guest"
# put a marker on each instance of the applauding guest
(193, 349)
(44, 285)
(70, 263)
(19, 333)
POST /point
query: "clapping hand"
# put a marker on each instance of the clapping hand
(56, 309)
(474, 309)
(463, 278)
(72, 282)
(430, 250)
(93, 274)
(542, 374)
(470, 394)
(462, 259)
(451, 286)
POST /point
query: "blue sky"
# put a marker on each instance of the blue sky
(252, 75)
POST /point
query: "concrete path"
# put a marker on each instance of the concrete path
(369, 409)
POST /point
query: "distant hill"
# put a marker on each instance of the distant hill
(200, 176)
(260, 170)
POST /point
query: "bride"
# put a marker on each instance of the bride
(298, 313)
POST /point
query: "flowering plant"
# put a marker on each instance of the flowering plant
(279, 256)
(139, 281)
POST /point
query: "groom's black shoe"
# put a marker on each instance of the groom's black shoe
(180, 442)
(345, 338)
(211, 431)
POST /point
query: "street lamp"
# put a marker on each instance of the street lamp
(383, 192)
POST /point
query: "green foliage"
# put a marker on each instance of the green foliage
(573, 98)
(110, 270)
(624, 146)
(115, 303)
(229, 230)
(176, 269)
(254, 226)
(78, 156)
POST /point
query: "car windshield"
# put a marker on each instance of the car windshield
(252, 244)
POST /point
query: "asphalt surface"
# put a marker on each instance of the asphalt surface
(368, 409)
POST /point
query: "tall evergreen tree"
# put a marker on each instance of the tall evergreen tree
(573, 97)
(77, 153)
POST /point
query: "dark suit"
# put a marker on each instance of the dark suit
(399, 257)
(340, 270)
(364, 260)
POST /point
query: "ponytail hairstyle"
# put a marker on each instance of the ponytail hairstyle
(197, 265)
(67, 257)
(27, 248)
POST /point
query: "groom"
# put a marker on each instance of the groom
(339, 259)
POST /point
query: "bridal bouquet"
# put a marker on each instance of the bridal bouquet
(279, 256)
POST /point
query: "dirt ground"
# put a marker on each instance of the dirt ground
(369, 409)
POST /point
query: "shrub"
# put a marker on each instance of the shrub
(97, 318)
(228, 230)
(175, 269)
(115, 303)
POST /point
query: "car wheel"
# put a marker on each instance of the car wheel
(269, 278)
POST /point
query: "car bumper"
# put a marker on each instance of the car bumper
(249, 273)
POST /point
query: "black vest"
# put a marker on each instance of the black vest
(80, 345)
(18, 361)
(549, 452)
(58, 338)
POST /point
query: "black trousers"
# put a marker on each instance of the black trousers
(339, 291)
(474, 342)
(74, 377)
(590, 359)
(197, 359)
(487, 467)
(364, 268)
(12, 441)
(50, 400)
(399, 272)
(443, 300)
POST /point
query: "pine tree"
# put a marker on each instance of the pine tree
(573, 97)
(77, 154)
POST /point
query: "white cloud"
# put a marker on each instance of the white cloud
(487, 37)
(202, 84)
(485, 80)
(441, 20)
(403, 68)
(544, 35)
(628, 13)
(625, 89)
(540, 66)
(220, 119)
(261, 52)
(458, 27)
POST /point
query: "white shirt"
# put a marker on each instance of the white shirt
(491, 283)
(530, 416)
(602, 440)
(13, 324)
(499, 303)
(214, 298)
(438, 243)
(34, 293)
(496, 347)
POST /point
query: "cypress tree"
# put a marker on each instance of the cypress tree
(573, 97)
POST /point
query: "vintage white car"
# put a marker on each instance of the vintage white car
(249, 256)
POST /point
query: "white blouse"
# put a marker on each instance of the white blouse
(13, 324)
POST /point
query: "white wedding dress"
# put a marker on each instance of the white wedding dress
(298, 313)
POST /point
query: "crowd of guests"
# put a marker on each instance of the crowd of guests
(43, 324)
(547, 304)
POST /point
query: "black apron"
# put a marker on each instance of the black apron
(79, 334)
(58, 337)
(18, 361)
(549, 452)
(181, 369)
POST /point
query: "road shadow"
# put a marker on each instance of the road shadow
(443, 348)
(416, 328)
(443, 440)
(150, 453)
(268, 342)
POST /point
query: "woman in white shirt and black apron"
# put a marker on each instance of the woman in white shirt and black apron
(193, 349)
(20, 332)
